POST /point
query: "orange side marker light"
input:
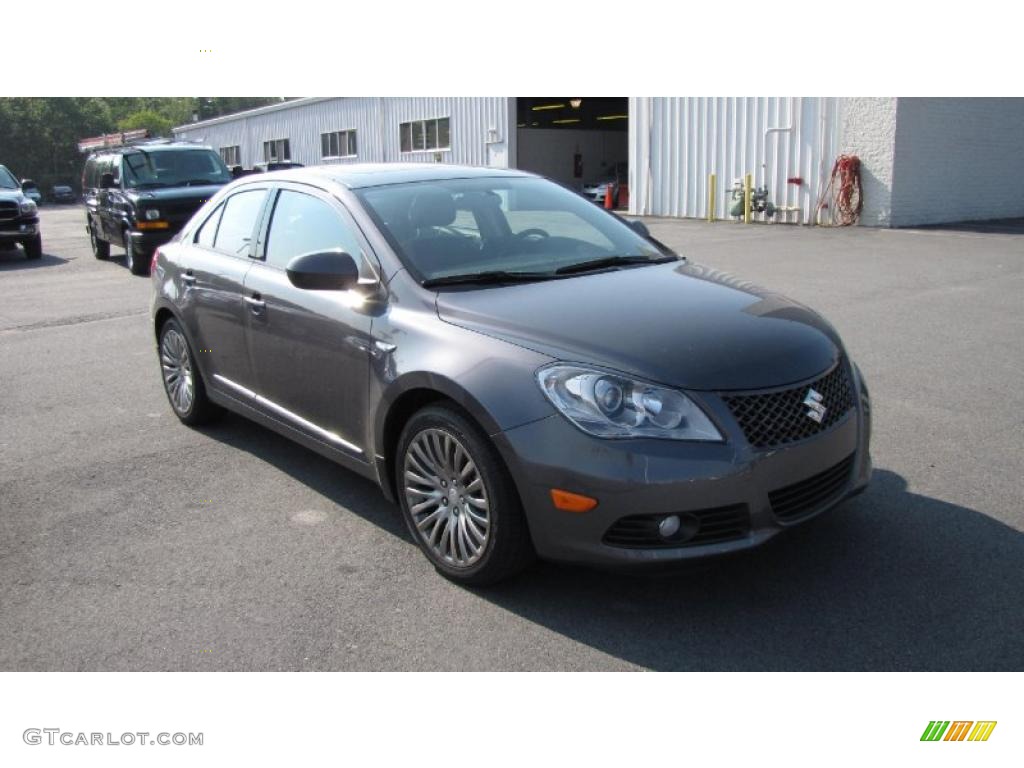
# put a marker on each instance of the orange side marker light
(571, 502)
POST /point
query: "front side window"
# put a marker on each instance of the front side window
(238, 222)
(303, 224)
(173, 168)
(510, 224)
(277, 150)
(7, 180)
(425, 135)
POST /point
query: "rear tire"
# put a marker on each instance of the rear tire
(183, 384)
(33, 247)
(100, 248)
(458, 499)
(134, 259)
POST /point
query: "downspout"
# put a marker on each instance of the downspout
(775, 129)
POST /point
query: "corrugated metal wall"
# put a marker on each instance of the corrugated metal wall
(479, 129)
(674, 143)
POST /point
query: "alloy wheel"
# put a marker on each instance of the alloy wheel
(446, 497)
(177, 369)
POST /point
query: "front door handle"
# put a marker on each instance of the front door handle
(256, 303)
(188, 278)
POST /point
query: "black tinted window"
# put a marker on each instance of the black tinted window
(305, 224)
(238, 221)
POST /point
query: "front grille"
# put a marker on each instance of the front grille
(770, 419)
(8, 209)
(705, 526)
(802, 498)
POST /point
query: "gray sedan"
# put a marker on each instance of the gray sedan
(524, 373)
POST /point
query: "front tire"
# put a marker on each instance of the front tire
(183, 383)
(458, 499)
(33, 247)
(133, 258)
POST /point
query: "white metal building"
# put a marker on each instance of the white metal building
(922, 160)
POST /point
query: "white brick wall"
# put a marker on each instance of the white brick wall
(957, 160)
(933, 160)
(868, 130)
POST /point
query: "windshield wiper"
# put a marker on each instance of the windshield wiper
(490, 277)
(611, 261)
(204, 182)
(148, 185)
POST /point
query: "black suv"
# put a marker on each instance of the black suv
(19, 216)
(139, 196)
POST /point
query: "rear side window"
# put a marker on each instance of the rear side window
(305, 224)
(208, 230)
(238, 222)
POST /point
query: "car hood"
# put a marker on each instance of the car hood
(12, 194)
(678, 324)
(175, 194)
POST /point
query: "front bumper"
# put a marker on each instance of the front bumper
(148, 241)
(663, 477)
(19, 229)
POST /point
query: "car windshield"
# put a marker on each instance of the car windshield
(174, 168)
(508, 225)
(7, 180)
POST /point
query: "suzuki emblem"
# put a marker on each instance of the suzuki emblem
(815, 410)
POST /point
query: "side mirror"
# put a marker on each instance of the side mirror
(27, 184)
(237, 172)
(107, 181)
(640, 228)
(325, 271)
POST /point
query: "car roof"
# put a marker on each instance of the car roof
(361, 175)
(157, 147)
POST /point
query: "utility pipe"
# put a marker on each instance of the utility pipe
(748, 182)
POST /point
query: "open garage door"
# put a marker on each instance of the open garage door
(580, 142)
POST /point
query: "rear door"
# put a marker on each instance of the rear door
(310, 349)
(213, 271)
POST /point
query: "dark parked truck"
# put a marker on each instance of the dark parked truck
(19, 217)
(138, 196)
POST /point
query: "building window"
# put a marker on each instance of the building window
(338, 144)
(276, 150)
(231, 155)
(425, 135)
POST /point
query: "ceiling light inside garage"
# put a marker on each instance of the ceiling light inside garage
(542, 107)
(613, 117)
(575, 103)
(567, 120)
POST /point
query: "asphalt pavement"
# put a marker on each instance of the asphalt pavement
(131, 542)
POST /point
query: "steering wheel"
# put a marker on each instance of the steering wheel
(534, 232)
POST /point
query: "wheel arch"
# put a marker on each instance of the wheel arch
(405, 397)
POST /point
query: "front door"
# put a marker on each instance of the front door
(310, 349)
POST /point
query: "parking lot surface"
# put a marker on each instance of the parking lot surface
(130, 542)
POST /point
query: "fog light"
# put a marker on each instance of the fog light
(669, 526)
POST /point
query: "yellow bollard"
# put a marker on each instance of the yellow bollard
(712, 196)
(748, 181)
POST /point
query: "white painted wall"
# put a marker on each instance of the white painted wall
(479, 128)
(868, 130)
(676, 142)
(549, 151)
(957, 160)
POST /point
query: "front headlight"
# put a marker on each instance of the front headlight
(27, 207)
(151, 214)
(607, 404)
